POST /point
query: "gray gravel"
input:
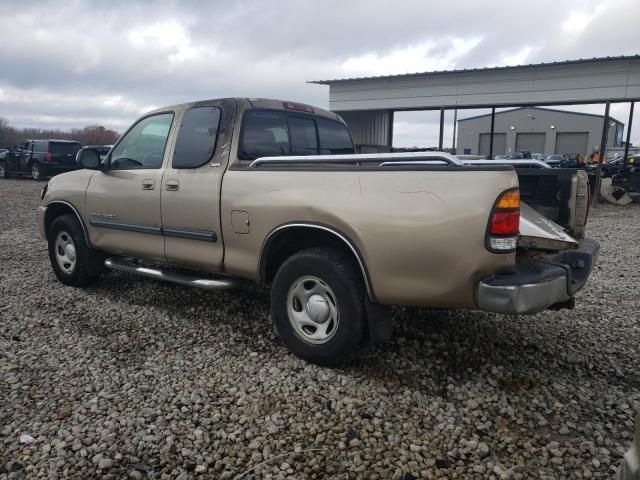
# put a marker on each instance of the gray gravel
(133, 378)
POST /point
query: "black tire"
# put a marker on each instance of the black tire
(4, 172)
(337, 271)
(38, 172)
(89, 263)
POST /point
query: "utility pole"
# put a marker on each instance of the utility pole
(455, 127)
(440, 139)
(626, 144)
(493, 124)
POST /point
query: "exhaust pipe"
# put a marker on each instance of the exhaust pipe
(129, 266)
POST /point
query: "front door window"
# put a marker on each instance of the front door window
(143, 146)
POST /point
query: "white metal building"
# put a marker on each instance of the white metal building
(537, 130)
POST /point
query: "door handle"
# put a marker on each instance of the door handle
(172, 185)
(148, 184)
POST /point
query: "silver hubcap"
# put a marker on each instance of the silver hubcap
(313, 310)
(65, 252)
(35, 171)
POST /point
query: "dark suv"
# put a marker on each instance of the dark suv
(40, 158)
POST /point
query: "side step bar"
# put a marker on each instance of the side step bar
(130, 266)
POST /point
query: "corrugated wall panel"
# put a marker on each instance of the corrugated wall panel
(368, 127)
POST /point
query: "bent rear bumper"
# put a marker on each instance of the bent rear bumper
(539, 283)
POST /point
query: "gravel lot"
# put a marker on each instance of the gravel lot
(147, 380)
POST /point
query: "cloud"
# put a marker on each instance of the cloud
(106, 62)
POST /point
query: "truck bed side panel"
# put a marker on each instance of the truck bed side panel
(421, 233)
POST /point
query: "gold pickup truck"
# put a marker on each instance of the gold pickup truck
(214, 193)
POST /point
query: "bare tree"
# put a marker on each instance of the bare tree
(8, 135)
(89, 135)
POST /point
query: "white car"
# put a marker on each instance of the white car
(553, 160)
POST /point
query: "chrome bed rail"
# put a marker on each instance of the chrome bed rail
(471, 163)
(392, 160)
(404, 158)
(515, 163)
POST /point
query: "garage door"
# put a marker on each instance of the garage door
(499, 144)
(570, 143)
(530, 142)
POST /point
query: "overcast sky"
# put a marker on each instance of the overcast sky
(69, 64)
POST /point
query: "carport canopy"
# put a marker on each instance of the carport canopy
(367, 104)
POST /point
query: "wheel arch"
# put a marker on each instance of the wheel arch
(57, 208)
(287, 239)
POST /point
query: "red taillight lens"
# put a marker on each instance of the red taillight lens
(505, 223)
(49, 157)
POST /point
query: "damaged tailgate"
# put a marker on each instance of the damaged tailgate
(537, 232)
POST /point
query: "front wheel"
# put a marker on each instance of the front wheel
(317, 303)
(73, 262)
(37, 172)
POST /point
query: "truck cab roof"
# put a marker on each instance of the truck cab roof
(264, 103)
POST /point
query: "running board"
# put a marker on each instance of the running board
(130, 266)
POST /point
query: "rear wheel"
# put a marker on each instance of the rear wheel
(73, 262)
(317, 303)
(37, 172)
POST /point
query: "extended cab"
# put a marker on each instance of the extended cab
(215, 193)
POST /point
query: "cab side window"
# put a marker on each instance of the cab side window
(196, 142)
(264, 133)
(144, 145)
(304, 140)
(334, 137)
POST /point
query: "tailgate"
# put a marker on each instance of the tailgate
(560, 194)
(539, 233)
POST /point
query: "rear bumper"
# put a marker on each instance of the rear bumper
(539, 283)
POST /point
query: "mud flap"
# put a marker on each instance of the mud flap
(378, 322)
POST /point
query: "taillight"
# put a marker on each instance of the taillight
(49, 157)
(301, 107)
(504, 223)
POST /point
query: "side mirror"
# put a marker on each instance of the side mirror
(89, 158)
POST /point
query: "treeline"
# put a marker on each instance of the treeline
(89, 135)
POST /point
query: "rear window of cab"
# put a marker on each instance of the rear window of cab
(275, 133)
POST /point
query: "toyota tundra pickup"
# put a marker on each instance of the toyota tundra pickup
(216, 193)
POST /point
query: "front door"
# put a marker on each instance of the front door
(25, 156)
(191, 186)
(123, 201)
(13, 159)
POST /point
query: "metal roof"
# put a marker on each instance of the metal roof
(440, 72)
(540, 108)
